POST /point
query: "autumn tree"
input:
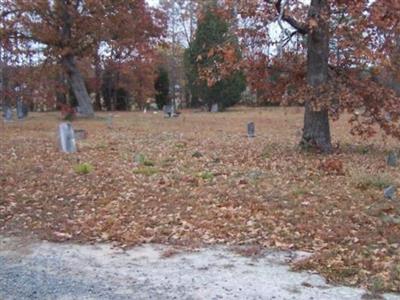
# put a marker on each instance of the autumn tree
(65, 31)
(331, 71)
(212, 34)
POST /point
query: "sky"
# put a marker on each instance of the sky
(152, 2)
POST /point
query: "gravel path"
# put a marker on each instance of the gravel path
(42, 270)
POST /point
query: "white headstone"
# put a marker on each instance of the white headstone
(214, 108)
(66, 137)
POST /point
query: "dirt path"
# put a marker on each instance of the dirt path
(42, 270)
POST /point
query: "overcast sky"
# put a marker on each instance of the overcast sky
(152, 2)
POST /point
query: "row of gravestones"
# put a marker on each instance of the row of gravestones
(22, 112)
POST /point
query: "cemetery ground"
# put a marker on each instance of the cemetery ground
(198, 180)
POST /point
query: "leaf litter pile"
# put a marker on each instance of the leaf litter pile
(198, 180)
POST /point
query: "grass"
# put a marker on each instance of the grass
(366, 181)
(141, 159)
(83, 168)
(146, 170)
(206, 175)
(299, 191)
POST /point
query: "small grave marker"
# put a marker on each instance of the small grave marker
(392, 159)
(214, 108)
(390, 192)
(66, 137)
(8, 114)
(168, 111)
(251, 130)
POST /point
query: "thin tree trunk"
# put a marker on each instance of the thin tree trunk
(316, 131)
(78, 85)
(97, 101)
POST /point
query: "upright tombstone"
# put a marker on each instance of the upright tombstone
(7, 114)
(22, 110)
(110, 121)
(214, 108)
(392, 159)
(251, 130)
(168, 111)
(66, 137)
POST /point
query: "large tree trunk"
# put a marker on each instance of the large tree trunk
(316, 132)
(78, 85)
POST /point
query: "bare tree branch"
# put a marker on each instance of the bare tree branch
(300, 27)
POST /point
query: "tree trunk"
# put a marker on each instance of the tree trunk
(316, 132)
(78, 85)
(97, 101)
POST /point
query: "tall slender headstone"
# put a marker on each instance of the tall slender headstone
(392, 159)
(22, 110)
(66, 137)
(110, 121)
(251, 130)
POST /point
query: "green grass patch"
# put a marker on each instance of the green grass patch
(143, 160)
(146, 170)
(84, 168)
(206, 175)
(365, 181)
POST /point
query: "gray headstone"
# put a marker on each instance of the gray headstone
(22, 110)
(214, 108)
(66, 137)
(390, 192)
(110, 121)
(7, 114)
(251, 130)
(392, 159)
(168, 111)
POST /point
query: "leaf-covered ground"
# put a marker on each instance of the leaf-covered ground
(198, 179)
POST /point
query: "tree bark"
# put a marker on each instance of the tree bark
(78, 85)
(316, 131)
(97, 101)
